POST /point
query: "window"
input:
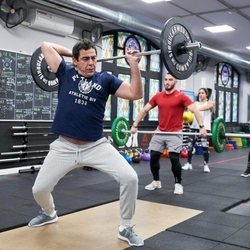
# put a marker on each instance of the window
(227, 92)
(114, 44)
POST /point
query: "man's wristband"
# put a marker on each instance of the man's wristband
(201, 126)
(135, 126)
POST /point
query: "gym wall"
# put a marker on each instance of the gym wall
(18, 44)
(24, 40)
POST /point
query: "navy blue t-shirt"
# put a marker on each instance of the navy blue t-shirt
(81, 103)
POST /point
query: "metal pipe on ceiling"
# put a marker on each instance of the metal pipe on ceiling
(136, 25)
(116, 17)
(228, 57)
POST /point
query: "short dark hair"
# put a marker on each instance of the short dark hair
(84, 44)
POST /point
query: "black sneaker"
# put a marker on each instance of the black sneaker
(246, 173)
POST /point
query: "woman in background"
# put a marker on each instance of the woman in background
(206, 108)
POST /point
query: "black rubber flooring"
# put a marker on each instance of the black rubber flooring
(213, 193)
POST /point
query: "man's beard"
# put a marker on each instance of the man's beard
(170, 88)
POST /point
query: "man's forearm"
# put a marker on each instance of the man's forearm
(198, 117)
(139, 117)
(136, 82)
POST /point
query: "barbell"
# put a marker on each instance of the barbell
(120, 132)
(178, 52)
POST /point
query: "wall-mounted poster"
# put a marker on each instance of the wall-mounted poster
(20, 97)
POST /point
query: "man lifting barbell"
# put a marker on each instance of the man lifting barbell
(178, 52)
(78, 121)
(171, 104)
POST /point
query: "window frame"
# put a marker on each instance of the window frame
(147, 74)
(220, 78)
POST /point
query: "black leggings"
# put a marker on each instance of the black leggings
(191, 145)
(155, 165)
(205, 155)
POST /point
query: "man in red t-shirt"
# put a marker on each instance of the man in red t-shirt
(171, 104)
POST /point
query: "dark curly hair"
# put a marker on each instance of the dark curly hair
(84, 44)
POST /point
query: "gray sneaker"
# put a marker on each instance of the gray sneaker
(42, 219)
(131, 237)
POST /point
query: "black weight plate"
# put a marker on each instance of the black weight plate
(43, 77)
(180, 64)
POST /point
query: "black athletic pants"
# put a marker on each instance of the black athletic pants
(155, 165)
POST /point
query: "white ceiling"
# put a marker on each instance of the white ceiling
(196, 14)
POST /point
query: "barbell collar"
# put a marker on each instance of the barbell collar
(237, 135)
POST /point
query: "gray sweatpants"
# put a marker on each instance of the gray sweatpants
(65, 156)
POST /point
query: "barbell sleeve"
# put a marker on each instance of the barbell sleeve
(237, 135)
(107, 130)
(193, 46)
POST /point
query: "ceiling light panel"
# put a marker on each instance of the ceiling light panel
(220, 28)
(155, 1)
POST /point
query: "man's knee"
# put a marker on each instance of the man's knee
(133, 180)
(130, 178)
(154, 156)
(39, 190)
(174, 158)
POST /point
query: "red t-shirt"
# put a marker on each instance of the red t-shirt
(171, 108)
